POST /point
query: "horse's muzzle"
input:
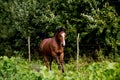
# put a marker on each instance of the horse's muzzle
(63, 45)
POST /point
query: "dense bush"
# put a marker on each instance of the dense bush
(96, 21)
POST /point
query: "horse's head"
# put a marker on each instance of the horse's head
(60, 36)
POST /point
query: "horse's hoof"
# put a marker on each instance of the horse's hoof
(59, 67)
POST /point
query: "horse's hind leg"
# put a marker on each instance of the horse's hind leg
(51, 59)
(46, 61)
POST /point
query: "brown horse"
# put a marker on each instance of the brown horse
(53, 48)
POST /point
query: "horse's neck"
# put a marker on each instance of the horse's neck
(57, 41)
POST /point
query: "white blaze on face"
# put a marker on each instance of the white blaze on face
(63, 35)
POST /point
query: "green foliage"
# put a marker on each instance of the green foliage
(16, 68)
(96, 21)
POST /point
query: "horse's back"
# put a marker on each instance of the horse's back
(45, 46)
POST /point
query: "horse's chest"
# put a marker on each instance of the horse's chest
(59, 50)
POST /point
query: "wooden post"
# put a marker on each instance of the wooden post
(78, 51)
(29, 49)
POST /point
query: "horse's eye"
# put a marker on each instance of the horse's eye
(60, 35)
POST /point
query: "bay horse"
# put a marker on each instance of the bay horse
(53, 48)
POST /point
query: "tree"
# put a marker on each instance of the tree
(96, 21)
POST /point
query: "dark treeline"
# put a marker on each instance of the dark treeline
(97, 21)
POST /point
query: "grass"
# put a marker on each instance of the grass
(16, 68)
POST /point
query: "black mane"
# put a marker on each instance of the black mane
(59, 30)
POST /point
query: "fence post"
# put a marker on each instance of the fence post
(29, 49)
(78, 50)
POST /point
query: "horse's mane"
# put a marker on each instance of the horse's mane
(59, 30)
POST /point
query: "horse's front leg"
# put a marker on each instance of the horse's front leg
(57, 59)
(62, 61)
(58, 62)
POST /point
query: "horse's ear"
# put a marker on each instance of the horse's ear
(59, 30)
(63, 29)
